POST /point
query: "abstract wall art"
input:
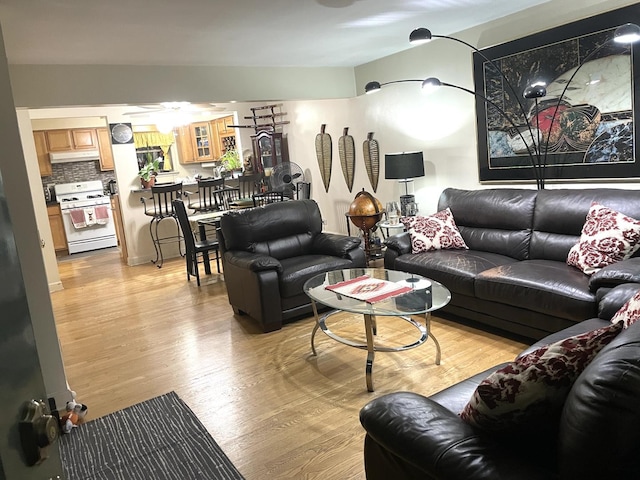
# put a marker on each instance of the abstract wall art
(585, 125)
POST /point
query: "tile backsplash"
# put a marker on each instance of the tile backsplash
(78, 172)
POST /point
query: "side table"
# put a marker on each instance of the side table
(390, 226)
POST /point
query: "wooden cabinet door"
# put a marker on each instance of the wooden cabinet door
(106, 154)
(84, 139)
(223, 125)
(44, 163)
(71, 139)
(215, 136)
(202, 141)
(184, 144)
(57, 228)
(59, 140)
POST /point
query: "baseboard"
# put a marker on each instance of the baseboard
(56, 286)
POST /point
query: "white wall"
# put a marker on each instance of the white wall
(443, 124)
(402, 119)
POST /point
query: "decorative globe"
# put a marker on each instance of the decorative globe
(365, 211)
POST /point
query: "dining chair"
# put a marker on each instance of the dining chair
(226, 196)
(249, 185)
(160, 207)
(207, 200)
(193, 246)
(264, 198)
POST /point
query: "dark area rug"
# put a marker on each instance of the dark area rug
(158, 439)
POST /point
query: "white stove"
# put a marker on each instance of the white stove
(81, 194)
(87, 217)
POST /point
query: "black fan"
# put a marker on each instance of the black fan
(286, 177)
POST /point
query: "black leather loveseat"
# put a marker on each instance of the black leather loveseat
(597, 434)
(514, 275)
(269, 252)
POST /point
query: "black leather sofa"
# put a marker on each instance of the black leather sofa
(514, 276)
(410, 436)
(269, 252)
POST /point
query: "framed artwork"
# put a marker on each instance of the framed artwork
(585, 125)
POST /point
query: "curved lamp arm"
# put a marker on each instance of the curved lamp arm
(423, 35)
(374, 86)
(435, 82)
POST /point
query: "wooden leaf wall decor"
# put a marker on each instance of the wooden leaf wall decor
(323, 152)
(347, 151)
(371, 153)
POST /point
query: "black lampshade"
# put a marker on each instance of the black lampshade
(403, 165)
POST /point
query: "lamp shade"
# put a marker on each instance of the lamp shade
(403, 165)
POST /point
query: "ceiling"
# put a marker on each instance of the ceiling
(277, 33)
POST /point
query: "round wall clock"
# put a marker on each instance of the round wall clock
(121, 133)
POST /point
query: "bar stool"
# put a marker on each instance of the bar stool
(207, 198)
(160, 208)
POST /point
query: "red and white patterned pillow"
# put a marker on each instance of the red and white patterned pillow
(435, 232)
(629, 312)
(607, 237)
(530, 391)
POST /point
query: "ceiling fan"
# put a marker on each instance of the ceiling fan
(176, 107)
(167, 115)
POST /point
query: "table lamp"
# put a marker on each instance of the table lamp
(404, 167)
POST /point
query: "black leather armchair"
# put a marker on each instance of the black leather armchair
(269, 252)
(410, 436)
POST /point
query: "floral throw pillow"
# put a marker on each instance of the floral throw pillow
(529, 392)
(607, 237)
(629, 312)
(436, 232)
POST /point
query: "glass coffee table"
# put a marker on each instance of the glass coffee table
(423, 297)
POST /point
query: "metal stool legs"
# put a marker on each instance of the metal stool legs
(159, 241)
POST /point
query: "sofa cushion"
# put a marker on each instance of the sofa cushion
(456, 269)
(545, 286)
(607, 236)
(529, 393)
(435, 232)
(297, 270)
(493, 220)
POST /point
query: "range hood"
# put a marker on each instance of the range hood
(74, 156)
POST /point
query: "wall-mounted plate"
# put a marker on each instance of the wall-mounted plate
(121, 133)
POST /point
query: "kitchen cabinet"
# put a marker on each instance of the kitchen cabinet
(104, 146)
(269, 149)
(57, 229)
(205, 141)
(223, 123)
(226, 135)
(202, 141)
(184, 144)
(65, 140)
(44, 163)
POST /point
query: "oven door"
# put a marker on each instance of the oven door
(91, 237)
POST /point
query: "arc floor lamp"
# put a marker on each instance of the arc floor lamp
(525, 125)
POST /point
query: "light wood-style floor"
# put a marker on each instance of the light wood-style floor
(131, 333)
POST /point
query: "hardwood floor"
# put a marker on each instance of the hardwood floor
(130, 333)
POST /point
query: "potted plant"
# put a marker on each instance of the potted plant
(148, 173)
(231, 160)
